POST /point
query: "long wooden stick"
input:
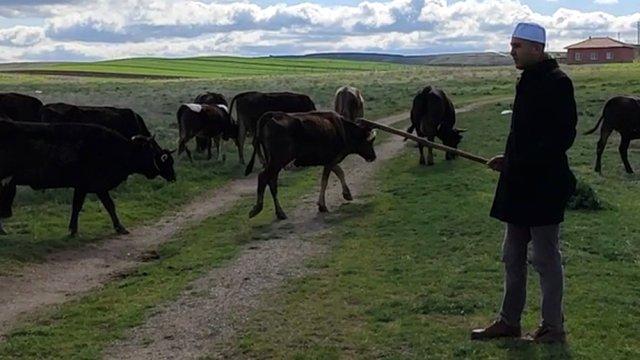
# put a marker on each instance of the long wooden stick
(425, 142)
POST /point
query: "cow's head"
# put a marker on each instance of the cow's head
(361, 138)
(154, 160)
(452, 137)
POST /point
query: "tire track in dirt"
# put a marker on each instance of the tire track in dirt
(217, 305)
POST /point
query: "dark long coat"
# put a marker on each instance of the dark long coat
(536, 182)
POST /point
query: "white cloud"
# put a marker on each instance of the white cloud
(606, 2)
(123, 28)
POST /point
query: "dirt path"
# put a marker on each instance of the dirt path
(72, 272)
(68, 274)
(218, 304)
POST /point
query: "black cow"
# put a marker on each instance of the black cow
(622, 114)
(124, 121)
(307, 139)
(87, 158)
(349, 103)
(18, 107)
(251, 105)
(202, 142)
(433, 115)
(210, 121)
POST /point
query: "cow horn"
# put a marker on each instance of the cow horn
(460, 130)
(372, 135)
(137, 137)
(171, 151)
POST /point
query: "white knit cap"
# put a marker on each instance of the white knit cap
(530, 31)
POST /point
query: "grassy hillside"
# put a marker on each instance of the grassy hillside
(202, 67)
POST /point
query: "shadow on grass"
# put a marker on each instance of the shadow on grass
(521, 349)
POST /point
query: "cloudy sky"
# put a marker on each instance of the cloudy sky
(33, 30)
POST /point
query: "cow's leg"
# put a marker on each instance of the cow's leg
(108, 204)
(602, 143)
(7, 195)
(624, 147)
(346, 193)
(219, 148)
(263, 180)
(235, 141)
(76, 206)
(430, 151)
(242, 133)
(326, 171)
(182, 146)
(421, 150)
(273, 187)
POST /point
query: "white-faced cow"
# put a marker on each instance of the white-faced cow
(207, 121)
(87, 158)
(251, 105)
(622, 114)
(318, 138)
(349, 103)
(433, 115)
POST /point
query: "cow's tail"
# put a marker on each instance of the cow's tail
(595, 127)
(256, 144)
(410, 130)
(233, 101)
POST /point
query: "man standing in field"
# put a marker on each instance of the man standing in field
(535, 184)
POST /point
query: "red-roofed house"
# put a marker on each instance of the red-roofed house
(598, 50)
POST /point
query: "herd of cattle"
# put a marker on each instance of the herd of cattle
(94, 149)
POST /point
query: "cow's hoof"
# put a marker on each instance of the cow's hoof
(347, 196)
(421, 162)
(281, 215)
(255, 211)
(2, 232)
(629, 171)
(121, 230)
(430, 163)
(73, 233)
(322, 208)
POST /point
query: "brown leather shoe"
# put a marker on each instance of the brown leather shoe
(547, 335)
(499, 329)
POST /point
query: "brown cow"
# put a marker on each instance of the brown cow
(318, 138)
(202, 142)
(209, 121)
(251, 105)
(622, 114)
(349, 103)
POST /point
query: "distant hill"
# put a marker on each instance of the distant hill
(458, 59)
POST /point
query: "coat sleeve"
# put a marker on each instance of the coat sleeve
(559, 130)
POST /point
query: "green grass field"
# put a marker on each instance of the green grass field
(412, 268)
(212, 67)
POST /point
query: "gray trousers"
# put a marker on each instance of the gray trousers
(546, 260)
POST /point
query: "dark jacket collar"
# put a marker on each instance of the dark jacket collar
(545, 66)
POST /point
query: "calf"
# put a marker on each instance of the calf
(210, 121)
(87, 158)
(433, 115)
(622, 114)
(307, 139)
